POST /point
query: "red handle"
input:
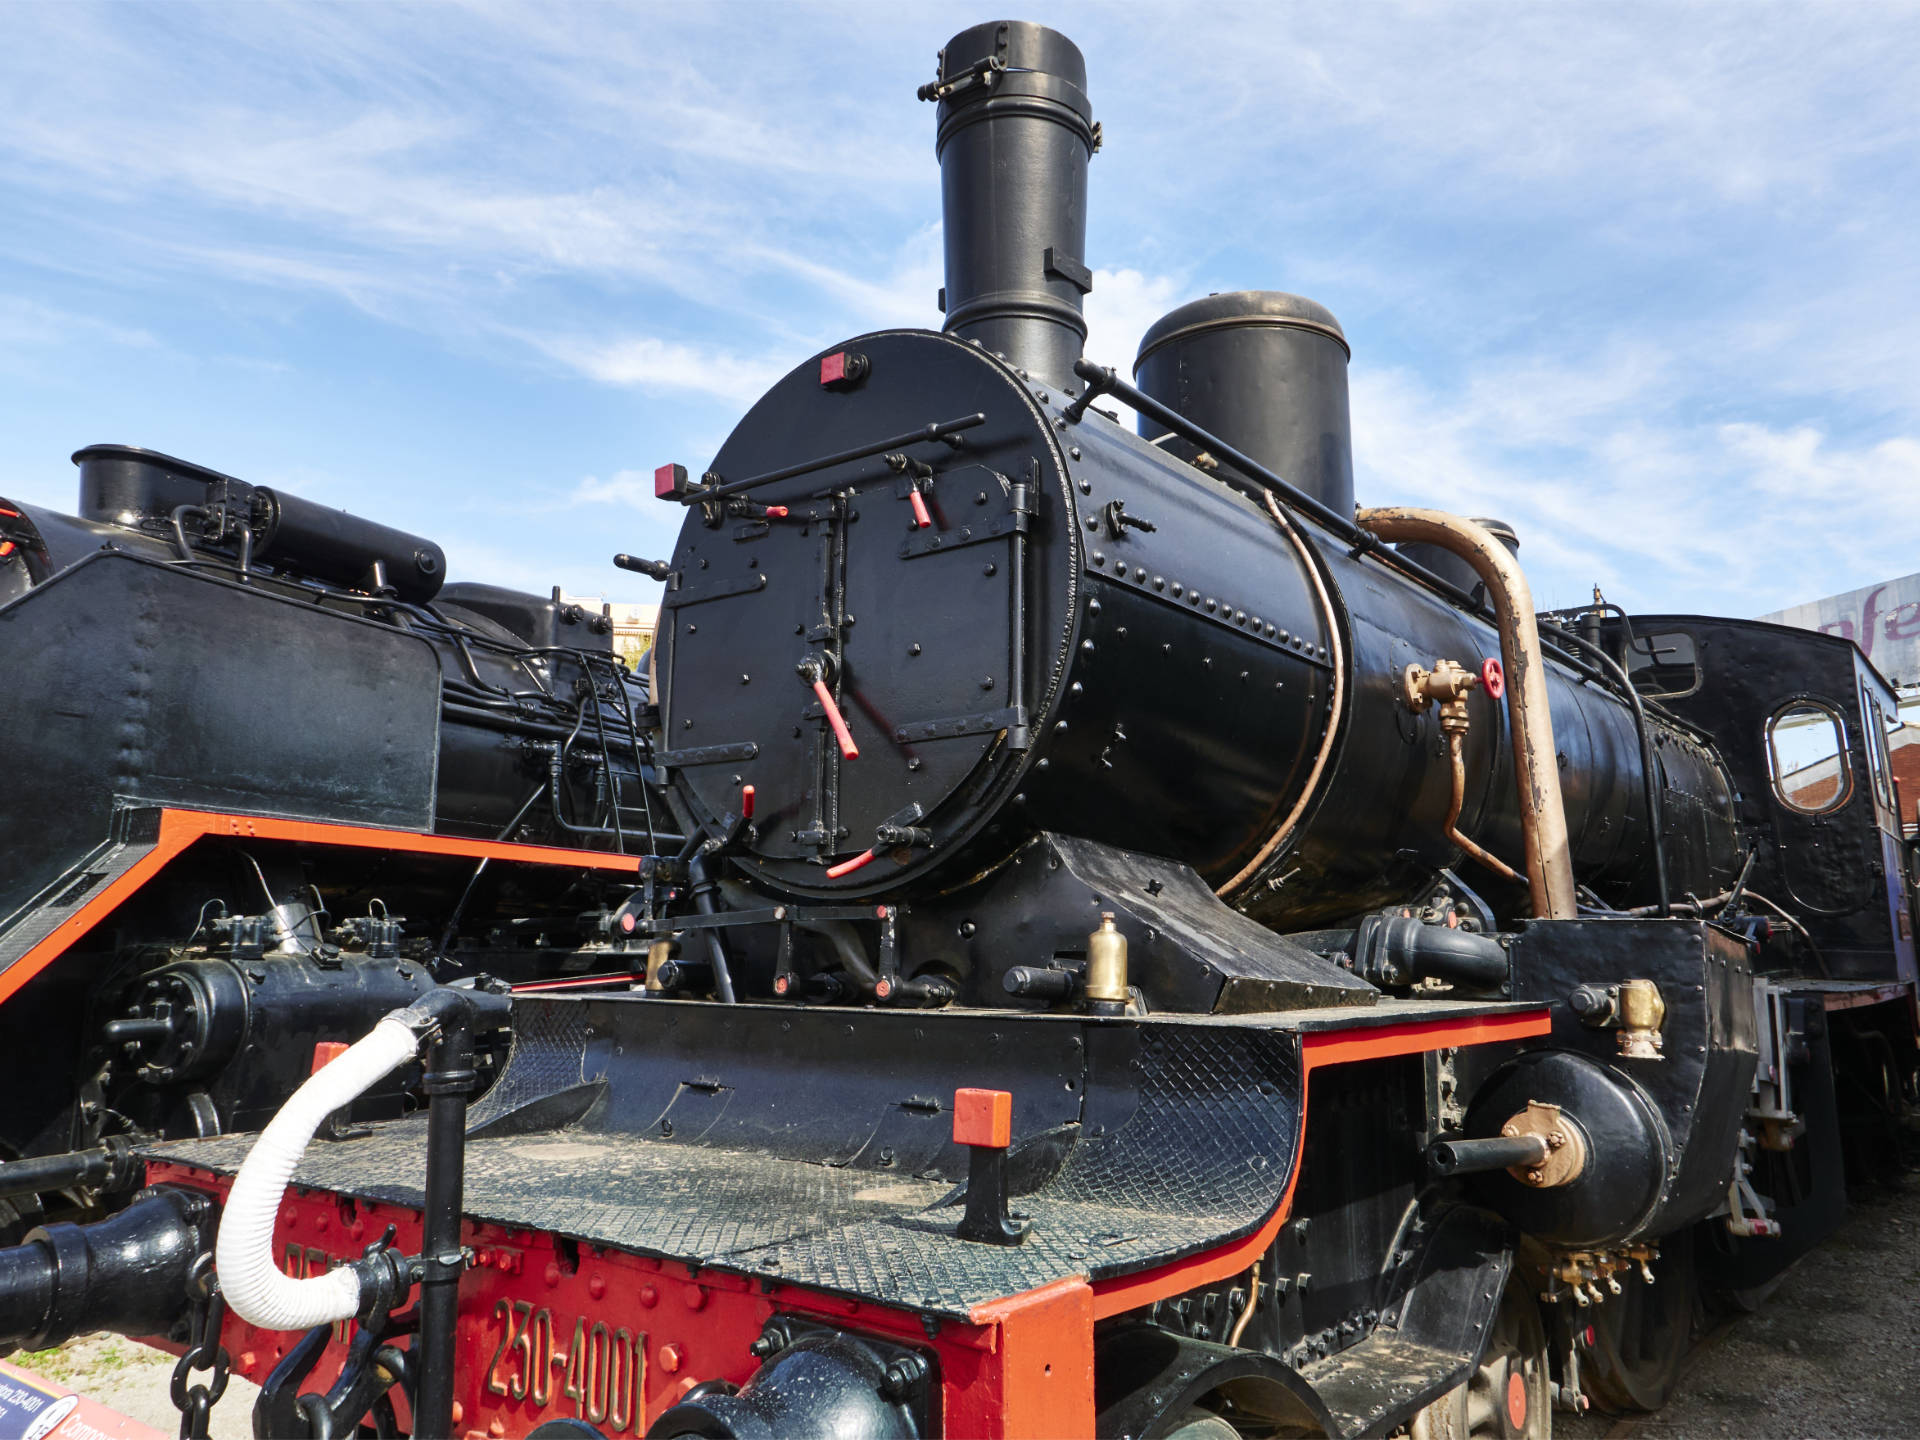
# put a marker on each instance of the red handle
(921, 518)
(746, 802)
(847, 867)
(1493, 677)
(836, 720)
(776, 512)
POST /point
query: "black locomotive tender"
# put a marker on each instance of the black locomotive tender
(1138, 775)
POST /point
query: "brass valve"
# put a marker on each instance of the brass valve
(1643, 1010)
(1448, 683)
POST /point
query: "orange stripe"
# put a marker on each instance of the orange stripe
(181, 828)
(1326, 1047)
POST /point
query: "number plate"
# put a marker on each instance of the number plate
(573, 1364)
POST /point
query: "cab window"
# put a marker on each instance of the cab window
(1807, 757)
(1873, 725)
(1664, 667)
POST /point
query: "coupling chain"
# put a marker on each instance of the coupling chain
(204, 1351)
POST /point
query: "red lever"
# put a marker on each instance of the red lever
(847, 867)
(837, 721)
(746, 802)
(1493, 677)
(776, 512)
(921, 518)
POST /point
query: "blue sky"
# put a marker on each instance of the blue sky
(1642, 280)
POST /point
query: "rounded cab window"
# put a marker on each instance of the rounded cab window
(1807, 752)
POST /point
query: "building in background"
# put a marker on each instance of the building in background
(1883, 620)
(633, 626)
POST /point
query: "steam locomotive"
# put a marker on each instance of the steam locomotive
(270, 777)
(1155, 951)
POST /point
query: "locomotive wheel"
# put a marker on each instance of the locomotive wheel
(1509, 1396)
(1637, 1339)
(1203, 1425)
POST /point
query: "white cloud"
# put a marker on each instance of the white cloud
(648, 363)
(623, 487)
(27, 323)
(1607, 483)
(1122, 305)
(1637, 279)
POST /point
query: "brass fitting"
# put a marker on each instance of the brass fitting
(1643, 1010)
(1448, 683)
(1566, 1147)
(1107, 964)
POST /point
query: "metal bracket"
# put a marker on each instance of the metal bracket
(932, 542)
(718, 590)
(1010, 719)
(707, 754)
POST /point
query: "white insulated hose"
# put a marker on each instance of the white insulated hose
(254, 1287)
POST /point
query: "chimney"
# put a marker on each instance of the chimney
(1015, 133)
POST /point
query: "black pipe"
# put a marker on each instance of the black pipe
(938, 431)
(1404, 949)
(1475, 1157)
(451, 1078)
(126, 1274)
(1656, 810)
(1104, 380)
(1034, 982)
(107, 1167)
(703, 885)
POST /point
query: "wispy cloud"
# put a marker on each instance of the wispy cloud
(1636, 277)
(623, 487)
(1607, 482)
(27, 324)
(649, 363)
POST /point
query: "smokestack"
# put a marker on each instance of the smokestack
(1015, 133)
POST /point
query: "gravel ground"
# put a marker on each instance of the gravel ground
(1835, 1354)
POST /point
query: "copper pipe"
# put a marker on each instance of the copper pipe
(1491, 861)
(1311, 563)
(1246, 1313)
(1543, 814)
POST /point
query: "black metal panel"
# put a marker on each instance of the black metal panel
(1696, 1090)
(1187, 951)
(1377, 824)
(815, 1147)
(147, 682)
(910, 643)
(1828, 869)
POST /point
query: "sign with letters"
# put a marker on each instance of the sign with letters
(1883, 620)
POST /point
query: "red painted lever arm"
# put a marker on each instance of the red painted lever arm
(836, 720)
